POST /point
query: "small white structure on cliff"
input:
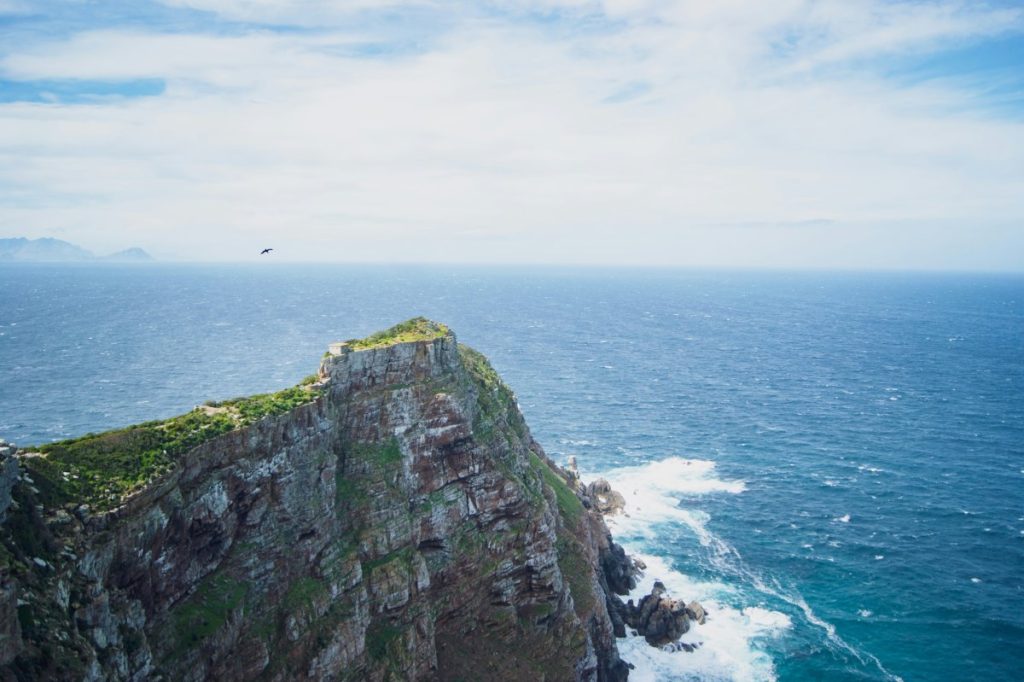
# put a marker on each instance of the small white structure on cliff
(336, 347)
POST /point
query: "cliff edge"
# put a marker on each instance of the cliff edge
(392, 518)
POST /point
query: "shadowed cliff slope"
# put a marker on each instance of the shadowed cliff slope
(391, 519)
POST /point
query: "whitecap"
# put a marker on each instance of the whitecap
(726, 646)
(879, 557)
(864, 613)
(652, 493)
(975, 580)
(845, 518)
(674, 475)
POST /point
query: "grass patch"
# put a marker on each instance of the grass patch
(416, 329)
(303, 593)
(253, 408)
(346, 491)
(569, 505)
(379, 637)
(497, 413)
(383, 455)
(403, 555)
(576, 570)
(205, 612)
(101, 469)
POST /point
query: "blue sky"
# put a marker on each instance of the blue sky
(777, 133)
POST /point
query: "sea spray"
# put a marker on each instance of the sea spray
(730, 648)
(726, 646)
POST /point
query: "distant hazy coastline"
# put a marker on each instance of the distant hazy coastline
(50, 250)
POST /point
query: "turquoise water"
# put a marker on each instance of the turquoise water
(833, 462)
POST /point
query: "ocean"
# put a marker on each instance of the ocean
(832, 463)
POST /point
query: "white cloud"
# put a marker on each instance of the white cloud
(505, 141)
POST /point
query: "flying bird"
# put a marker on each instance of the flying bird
(265, 251)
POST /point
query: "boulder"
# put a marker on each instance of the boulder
(660, 619)
(619, 570)
(696, 612)
(604, 499)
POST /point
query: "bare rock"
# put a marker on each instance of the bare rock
(696, 612)
(604, 499)
(660, 619)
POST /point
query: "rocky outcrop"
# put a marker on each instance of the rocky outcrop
(402, 524)
(660, 619)
(10, 629)
(605, 500)
(696, 612)
(9, 474)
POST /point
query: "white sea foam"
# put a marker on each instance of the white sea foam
(729, 639)
(864, 613)
(845, 518)
(653, 492)
(726, 644)
(576, 443)
(659, 484)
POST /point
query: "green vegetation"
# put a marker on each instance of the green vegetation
(304, 593)
(101, 469)
(569, 504)
(346, 491)
(497, 414)
(205, 612)
(383, 455)
(416, 329)
(379, 637)
(253, 408)
(404, 555)
(575, 569)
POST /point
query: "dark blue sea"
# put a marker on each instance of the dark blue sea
(832, 463)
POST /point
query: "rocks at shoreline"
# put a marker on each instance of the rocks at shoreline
(696, 612)
(9, 474)
(603, 499)
(660, 619)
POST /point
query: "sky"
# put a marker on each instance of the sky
(710, 133)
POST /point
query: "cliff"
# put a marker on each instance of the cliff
(392, 518)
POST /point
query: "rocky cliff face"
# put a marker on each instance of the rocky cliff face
(401, 524)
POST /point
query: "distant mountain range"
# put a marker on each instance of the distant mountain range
(50, 250)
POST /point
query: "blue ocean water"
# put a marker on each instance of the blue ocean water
(833, 463)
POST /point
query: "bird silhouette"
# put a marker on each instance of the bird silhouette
(265, 251)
